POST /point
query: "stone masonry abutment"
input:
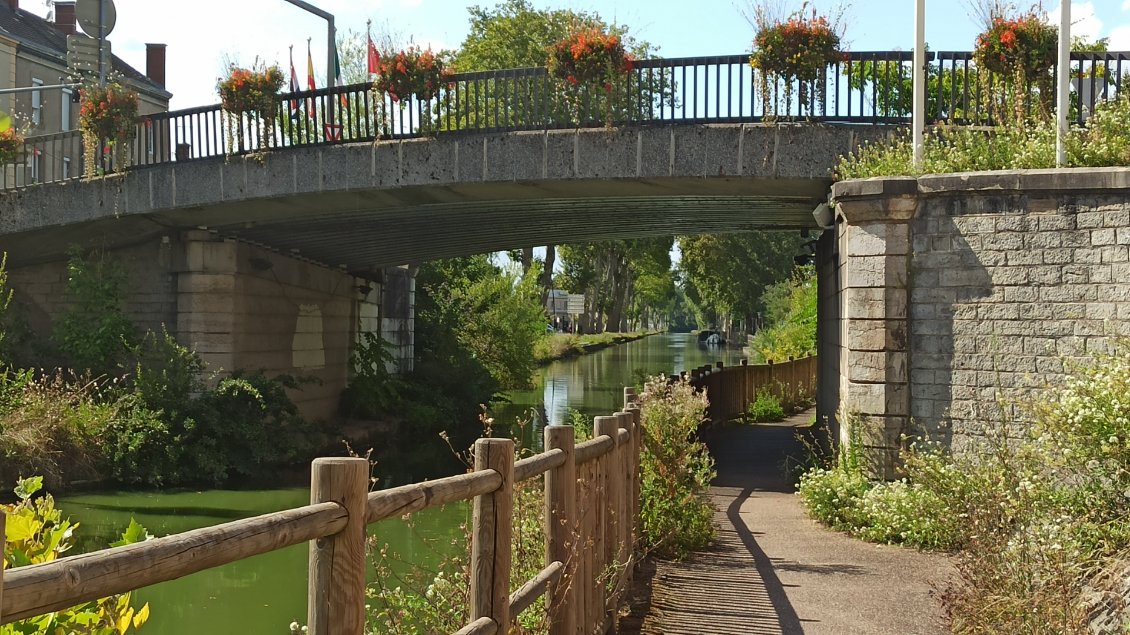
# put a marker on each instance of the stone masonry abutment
(244, 307)
(963, 296)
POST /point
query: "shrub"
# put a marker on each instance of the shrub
(790, 313)
(1104, 142)
(1035, 518)
(373, 389)
(676, 515)
(94, 331)
(765, 408)
(37, 533)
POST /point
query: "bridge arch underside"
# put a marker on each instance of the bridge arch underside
(303, 248)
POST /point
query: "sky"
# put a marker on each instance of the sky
(203, 34)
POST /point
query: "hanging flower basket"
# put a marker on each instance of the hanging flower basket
(11, 146)
(1023, 47)
(1021, 50)
(108, 114)
(589, 56)
(797, 49)
(251, 91)
(412, 73)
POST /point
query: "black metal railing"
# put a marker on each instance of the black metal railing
(863, 87)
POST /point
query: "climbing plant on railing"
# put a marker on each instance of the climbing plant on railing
(794, 49)
(1022, 49)
(108, 115)
(253, 92)
(589, 60)
(11, 145)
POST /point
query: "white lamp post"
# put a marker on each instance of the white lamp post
(1063, 70)
(917, 118)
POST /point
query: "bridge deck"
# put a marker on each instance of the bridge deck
(772, 570)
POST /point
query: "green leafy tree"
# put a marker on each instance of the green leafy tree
(725, 275)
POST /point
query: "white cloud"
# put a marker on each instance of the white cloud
(1084, 21)
(1120, 38)
(1126, 5)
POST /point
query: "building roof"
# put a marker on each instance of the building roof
(41, 38)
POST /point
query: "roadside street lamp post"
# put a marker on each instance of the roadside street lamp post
(918, 118)
(1063, 72)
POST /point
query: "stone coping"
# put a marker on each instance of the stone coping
(1018, 181)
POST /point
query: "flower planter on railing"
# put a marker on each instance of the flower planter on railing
(701, 90)
(250, 97)
(108, 121)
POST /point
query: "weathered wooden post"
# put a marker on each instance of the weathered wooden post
(491, 534)
(560, 519)
(607, 529)
(625, 489)
(3, 539)
(634, 455)
(336, 581)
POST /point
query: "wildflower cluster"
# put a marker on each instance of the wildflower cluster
(799, 47)
(1024, 46)
(11, 145)
(254, 89)
(1036, 519)
(412, 72)
(108, 112)
(589, 56)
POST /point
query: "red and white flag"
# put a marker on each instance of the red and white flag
(374, 57)
(293, 86)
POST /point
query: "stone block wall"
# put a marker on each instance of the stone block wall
(39, 290)
(1008, 290)
(1010, 278)
(243, 307)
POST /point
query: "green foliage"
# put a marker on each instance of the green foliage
(37, 533)
(1104, 142)
(94, 331)
(50, 425)
(765, 408)
(676, 515)
(438, 600)
(1034, 518)
(726, 275)
(373, 389)
(790, 318)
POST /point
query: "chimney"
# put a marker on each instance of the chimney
(64, 16)
(155, 63)
(14, 4)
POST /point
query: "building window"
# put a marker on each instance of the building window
(36, 103)
(33, 165)
(65, 108)
(66, 168)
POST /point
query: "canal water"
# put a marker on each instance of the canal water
(266, 593)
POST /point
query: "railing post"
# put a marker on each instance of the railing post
(491, 535)
(560, 520)
(624, 491)
(336, 582)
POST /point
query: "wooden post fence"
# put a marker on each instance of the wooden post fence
(561, 527)
(591, 528)
(336, 593)
(491, 537)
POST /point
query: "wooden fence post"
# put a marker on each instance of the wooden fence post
(3, 539)
(336, 582)
(608, 529)
(634, 456)
(560, 518)
(491, 536)
(625, 490)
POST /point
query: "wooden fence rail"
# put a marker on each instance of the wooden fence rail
(731, 389)
(592, 521)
